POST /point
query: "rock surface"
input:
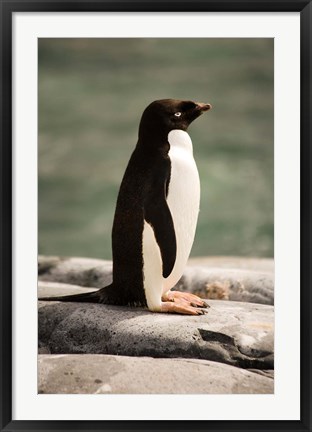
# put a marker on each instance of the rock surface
(239, 334)
(228, 284)
(234, 262)
(98, 374)
(47, 289)
(85, 272)
(120, 350)
(229, 278)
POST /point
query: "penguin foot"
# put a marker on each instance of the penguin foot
(181, 307)
(191, 299)
(183, 303)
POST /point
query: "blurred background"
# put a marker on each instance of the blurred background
(92, 93)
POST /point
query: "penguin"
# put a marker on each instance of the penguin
(156, 215)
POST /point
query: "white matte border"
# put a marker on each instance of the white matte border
(285, 403)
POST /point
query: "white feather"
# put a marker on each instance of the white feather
(183, 201)
(152, 269)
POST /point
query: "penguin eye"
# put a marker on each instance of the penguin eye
(178, 114)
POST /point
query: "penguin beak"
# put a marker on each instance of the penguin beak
(203, 106)
(198, 110)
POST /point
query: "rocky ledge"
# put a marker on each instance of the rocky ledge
(92, 348)
(219, 278)
(108, 374)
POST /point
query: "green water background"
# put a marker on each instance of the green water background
(91, 96)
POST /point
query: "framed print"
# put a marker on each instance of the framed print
(82, 83)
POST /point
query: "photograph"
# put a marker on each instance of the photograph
(156, 216)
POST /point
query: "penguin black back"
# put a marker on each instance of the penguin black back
(142, 199)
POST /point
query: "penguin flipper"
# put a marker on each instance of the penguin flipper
(158, 215)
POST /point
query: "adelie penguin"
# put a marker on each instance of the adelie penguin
(156, 215)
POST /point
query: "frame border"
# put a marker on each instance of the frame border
(7, 8)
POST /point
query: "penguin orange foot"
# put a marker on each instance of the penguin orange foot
(181, 307)
(183, 303)
(192, 299)
(156, 214)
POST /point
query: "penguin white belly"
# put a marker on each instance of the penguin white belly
(183, 201)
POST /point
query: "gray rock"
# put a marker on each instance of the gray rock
(98, 374)
(228, 284)
(225, 283)
(47, 289)
(240, 334)
(234, 262)
(85, 272)
(267, 373)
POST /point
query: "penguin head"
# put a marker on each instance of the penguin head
(162, 116)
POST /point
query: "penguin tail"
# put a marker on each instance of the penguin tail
(109, 295)
(91, 297)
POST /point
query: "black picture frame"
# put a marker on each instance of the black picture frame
(8, 7)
